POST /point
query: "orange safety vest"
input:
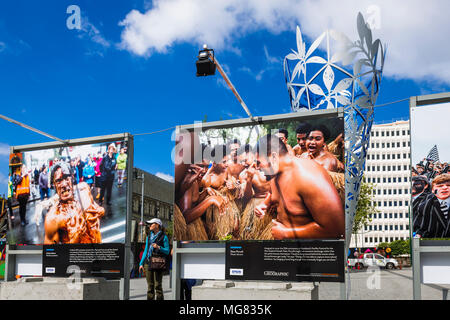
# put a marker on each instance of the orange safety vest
(24, 186)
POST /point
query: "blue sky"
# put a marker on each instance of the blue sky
(131, 67)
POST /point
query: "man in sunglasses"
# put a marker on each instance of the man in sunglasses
(74, 216)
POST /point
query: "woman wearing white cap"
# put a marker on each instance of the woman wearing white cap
(154, 259)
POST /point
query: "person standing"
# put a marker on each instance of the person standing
(10, 197)
(43, 184)
(22, 194)
(98, 174)
(155, 259)
(121, 166)
(89, 173)
(108, 169)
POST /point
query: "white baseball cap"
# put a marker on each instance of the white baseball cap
(154, 220)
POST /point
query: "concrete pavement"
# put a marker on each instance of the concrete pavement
(365, 285)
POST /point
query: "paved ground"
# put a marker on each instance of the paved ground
(138, 289)
(365, 285)
(382, 285)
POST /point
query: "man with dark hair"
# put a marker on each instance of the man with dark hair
(302, 132)
(283, 134)
(234, 166)
(72, 218)
(316, 149)
(307, 203)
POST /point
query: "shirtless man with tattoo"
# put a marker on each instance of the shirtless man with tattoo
(307, 203)
(74, 217)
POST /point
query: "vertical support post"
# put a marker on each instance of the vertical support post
(10, 262)
(125, 282)
(417, 294)
(175, 272)
(142, 207)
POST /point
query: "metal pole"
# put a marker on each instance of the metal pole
(233, 89)
(417, 294)
(31, 128)
(142, 208)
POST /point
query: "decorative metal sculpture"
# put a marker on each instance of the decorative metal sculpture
(356, 68)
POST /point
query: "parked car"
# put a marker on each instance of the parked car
(373, 260)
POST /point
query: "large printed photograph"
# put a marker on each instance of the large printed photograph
(63, 195)
(430, 177)
(277, 180)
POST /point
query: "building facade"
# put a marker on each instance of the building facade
(388, 169)
(158, 202)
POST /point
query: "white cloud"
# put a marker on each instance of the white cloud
(4, 150)
(93, 34)
(415, 32)
(165, 176)
(429, 126)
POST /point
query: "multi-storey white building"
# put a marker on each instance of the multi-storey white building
(388, 168)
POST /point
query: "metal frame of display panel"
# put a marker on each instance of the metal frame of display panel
(419, 246)
(12, 251)
(218, 247)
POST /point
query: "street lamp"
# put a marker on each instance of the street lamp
(206, 65)
(141, 223)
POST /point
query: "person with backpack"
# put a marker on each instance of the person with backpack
(155, 258)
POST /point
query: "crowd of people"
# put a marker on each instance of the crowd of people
(431, 199)
(271, 190)
(62, 180)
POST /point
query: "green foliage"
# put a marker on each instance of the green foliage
(169, 230)
(365, 208)
(398, 247)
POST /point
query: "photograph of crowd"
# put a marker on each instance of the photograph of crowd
(431, 197)
(73, 194)
(430, 177)
(282, 180)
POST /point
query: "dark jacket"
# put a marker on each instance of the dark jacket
(108, 167)
(428, 220)
(43, 180)
(164, 250)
